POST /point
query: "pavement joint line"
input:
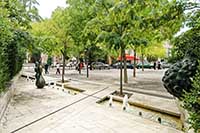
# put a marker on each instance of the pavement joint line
(91, 95)
(150, 94)
(90, 82)
(56, 111)
(136, 91)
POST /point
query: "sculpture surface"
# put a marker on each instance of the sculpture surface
(40, 82)
(178, 78)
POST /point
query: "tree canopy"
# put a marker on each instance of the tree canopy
(15, 18)
(110, 24)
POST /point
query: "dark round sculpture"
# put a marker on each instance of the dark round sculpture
(177, 78)
(40, 82)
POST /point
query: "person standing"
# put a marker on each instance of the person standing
(57, 68)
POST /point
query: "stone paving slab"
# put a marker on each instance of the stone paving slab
(30, 104)
(161, 103)
(78, 116)
(88, 117)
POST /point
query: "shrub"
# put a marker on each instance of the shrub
(191, 102)
(11, 56)
(3, 69)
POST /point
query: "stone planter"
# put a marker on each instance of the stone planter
(184, 117)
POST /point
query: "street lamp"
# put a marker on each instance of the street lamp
(86, 59)
(168, 47)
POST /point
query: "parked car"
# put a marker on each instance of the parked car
(117, 65)
(99, 65)
(146, 65)
(71, 64)
(165, 65)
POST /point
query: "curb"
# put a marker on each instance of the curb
(5, 97)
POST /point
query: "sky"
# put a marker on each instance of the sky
(46, 7)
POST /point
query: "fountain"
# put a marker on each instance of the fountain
(27, 78)
(54, 85)
(152, 113)
(159, 120)
(110, 100)
(140, 113)
(49, 85)
(63, 87)
(125, 102)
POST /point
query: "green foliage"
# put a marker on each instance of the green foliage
(15, 16)
(188, 44)
(191, 102)
(3, 68)
(153, 51)
(49, 61)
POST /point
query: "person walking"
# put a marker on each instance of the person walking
(154, 65)
(57, 68)
(46, 66)
(159, 65)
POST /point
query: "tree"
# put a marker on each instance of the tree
(14, 21)
(81, 12)
(153, 51)
(62, 32)
(122, 23)
(53, 35)
(43, 37)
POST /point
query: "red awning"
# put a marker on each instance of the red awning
(129, 57)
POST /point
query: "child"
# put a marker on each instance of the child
(57, 68)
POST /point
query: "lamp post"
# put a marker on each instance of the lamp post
(168, 47)
(86, 59)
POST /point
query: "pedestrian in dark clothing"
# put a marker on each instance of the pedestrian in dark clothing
(154, 65)
(46, 66)
(159, 65)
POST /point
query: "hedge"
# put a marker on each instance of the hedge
(11, 59)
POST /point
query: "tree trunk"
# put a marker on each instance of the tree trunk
(142, 61)
(87, 70)
(109, 60)
(134, 70)
(87, 67)
(125, 67)
(121, 84)
(63, 70)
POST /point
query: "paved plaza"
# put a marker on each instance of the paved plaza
(54, 110)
